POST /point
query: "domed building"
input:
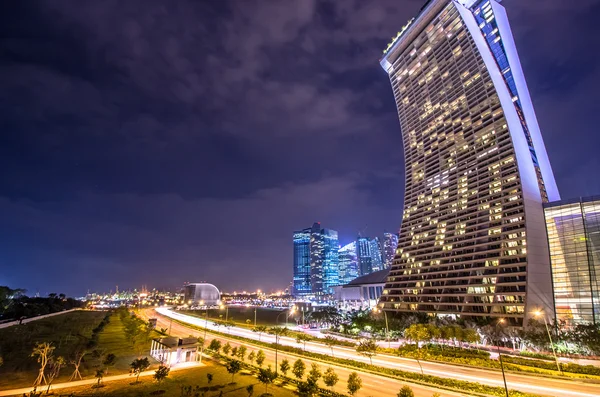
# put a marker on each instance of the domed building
(201, 294)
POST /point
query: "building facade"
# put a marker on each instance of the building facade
(348, 263)
(390, 243)
(315, 261)
(377, 259)
(301, 282)
(574, 240)
(363, 253)
(202, 294)
(473, 239)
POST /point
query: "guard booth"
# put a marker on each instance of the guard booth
(172, 351)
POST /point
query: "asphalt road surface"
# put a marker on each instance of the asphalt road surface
(524, 383)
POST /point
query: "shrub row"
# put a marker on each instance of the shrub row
(93, 341)
(395, 373)
(439, 350)
(551, 365)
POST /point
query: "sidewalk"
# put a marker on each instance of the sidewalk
(92, 381)
(28, 320)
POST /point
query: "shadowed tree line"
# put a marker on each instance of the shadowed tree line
(14, 304)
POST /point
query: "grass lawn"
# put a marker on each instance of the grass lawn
(17, 342)
(172, 386)
(66, 332)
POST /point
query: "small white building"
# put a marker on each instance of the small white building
(172, 351)
(363, 291)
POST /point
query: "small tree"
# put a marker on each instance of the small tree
(251, 356)
(260, 329)
(99, 376)
(266, 376)
(215, 345)
(284, 366)
(241, 353)
(76, 362)
(314, 374)
(330, 341)
(234, 352)
(250, 390)
(367, 348)
(233, 367)
(260, 358)
(226, 349)
(298, 369)
(109, 360)
(43, 352)
(303, 338)
(55, 366)
(161, 374)
(209, 377)
(330, 378)
(354, 383)
(406, 391)
(138, 366)
(418, 333)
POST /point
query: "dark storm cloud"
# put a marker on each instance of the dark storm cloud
(152, 142)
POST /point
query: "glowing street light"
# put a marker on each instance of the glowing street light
(387, 329)
(539, 313)
(501, 321)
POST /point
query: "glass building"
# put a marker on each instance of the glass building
(390, 243)
(363, 253)
(315, 261)
(301, 282)
(574, 241)
(348, 263)
(377, 260)
(473, 239)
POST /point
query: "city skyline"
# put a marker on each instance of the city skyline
(199, 143)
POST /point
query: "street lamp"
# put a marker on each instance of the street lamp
(205, 328)
(501, 321)
(226, 311)
(387, 329)
(541, 313)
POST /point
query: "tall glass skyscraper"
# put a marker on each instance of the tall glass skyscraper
(301, 282)
(574, 240)
(390, 243)
(377, 260)
(348, 263)
(473, 239)
(315, 261)
(363, 253)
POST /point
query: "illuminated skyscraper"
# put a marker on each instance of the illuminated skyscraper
(363, 253)
(315, 261)
(390, 243)
(301, 282)
(473, 239)
(377, 261)
(348, 263)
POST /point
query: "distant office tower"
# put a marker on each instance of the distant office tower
(348, 263)
(315, 261)
(574, 240)
(324, 247)
(301, 281)
(390, 243)
(377, 260)
(363, 253)
(473, 241)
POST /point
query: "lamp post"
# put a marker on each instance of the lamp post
(226, 311)
(541, 313)
(254, 316)
(205, 327)
(278, 332)
(501, 321)
(387, 329)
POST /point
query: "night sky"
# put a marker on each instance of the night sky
(155, 142)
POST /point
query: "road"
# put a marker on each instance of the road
(524, 383)
(373, 385)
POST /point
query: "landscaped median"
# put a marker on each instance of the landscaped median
(427, 380)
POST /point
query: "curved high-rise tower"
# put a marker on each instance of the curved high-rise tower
(473, 240)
